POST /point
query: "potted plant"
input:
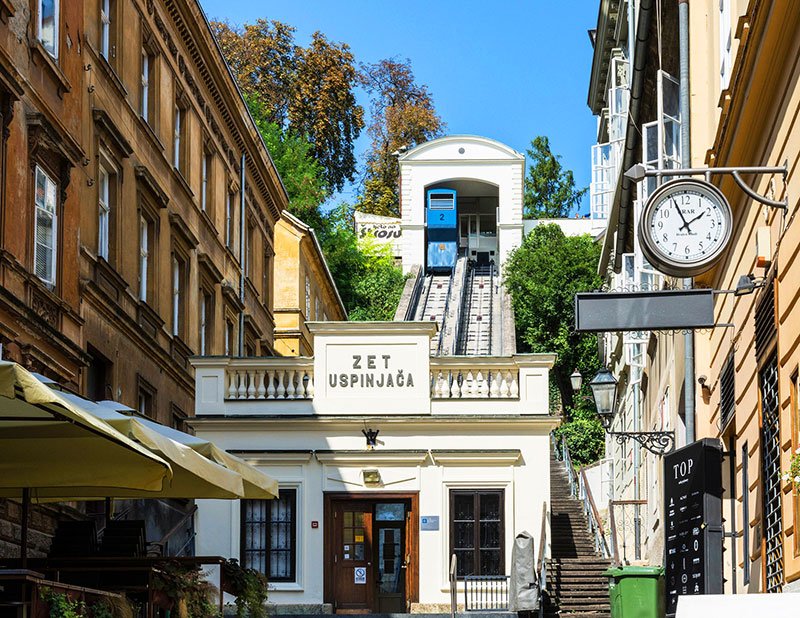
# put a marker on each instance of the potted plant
(249, 586)
(176, 584)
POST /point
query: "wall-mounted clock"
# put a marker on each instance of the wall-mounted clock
(685, 227)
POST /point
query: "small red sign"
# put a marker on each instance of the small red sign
(315, 524)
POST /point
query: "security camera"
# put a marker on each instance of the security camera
(702, 380)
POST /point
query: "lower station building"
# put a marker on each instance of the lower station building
(389, 461)
(397, 444)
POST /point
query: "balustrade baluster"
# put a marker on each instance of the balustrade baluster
(260, 391)
(270, 384)
(503, 384)
(455, 387)
(251, 384)
(279, 394)
(310, 385)
(494, 388)
(514, 386)
(231, 384)
(290, 390)
(482, 389)
(468, 388)
(241, 392)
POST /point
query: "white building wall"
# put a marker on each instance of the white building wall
(525, 489)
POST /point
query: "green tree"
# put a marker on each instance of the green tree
(543, 275)
(308, 92)
(549, 189)
(402, 115)
(323, 107)
(368, 280)
(301, 173)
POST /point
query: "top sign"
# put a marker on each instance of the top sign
(693, 521)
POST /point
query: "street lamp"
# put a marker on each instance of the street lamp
(604, 391)
(576, 379)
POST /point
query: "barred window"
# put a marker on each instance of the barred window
(727, 392)
(476, 531)
(269, 536)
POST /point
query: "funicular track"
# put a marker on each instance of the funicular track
(475, 332)
(432, 305)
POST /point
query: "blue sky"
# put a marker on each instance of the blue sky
(509, 69)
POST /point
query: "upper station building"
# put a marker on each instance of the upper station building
(398, 444)
(487, 177)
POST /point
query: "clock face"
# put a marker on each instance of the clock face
(685, 227)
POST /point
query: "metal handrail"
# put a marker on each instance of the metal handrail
(541, 564)
(614, 544)
(593, 517)
(579, 488)
(453, 586)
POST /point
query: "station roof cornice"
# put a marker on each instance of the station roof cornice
(509, 154)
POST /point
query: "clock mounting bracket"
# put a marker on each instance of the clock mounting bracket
(639, 172)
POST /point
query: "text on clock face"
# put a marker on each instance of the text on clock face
(686, 228)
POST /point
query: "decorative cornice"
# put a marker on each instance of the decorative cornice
(147, 179)
(505, 457)
(372, 458)
(104, 123)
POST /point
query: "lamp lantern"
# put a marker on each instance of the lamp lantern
(576, 379)
(604, 391)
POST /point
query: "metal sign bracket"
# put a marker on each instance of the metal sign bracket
(639, 172)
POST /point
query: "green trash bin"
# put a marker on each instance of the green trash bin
(636, 591)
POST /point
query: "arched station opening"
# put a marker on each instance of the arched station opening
(475, 221)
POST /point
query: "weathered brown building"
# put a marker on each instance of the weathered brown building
(127, 241)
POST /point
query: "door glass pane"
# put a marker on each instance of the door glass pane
(389, 559)
(389, 512)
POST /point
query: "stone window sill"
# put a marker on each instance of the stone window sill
(42, 57)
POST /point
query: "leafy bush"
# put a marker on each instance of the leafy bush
(250, 588)
(584, 435)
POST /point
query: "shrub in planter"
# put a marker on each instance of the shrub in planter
(183, 586)
(249, 586)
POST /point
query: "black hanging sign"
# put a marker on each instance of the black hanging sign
(693, 521)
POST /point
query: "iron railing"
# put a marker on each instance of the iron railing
(486, 593)
(541, 563)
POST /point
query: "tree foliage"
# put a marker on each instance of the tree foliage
(368, 280)
(307, 91)
(549, 189)
(402, 115)
(543, 275)
(301, 173)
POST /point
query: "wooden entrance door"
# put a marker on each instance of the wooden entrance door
(353, 568)
(378, 536)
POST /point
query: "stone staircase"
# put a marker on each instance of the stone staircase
(577, 586)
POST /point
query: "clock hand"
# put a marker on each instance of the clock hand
(693, 220)
(680, 214)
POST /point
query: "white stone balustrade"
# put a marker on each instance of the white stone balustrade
(516, 384)
(269, 378)
(451, 379)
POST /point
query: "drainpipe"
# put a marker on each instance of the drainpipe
(242, 258)
(688, 338)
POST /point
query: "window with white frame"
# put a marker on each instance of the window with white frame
(107, 42)
(47, 27)
(229, 220)
(103, 213)
(179, 141)
(178, 271)
(206, 321)
(229, 334)
(147, 230)
(269, 536)
(308, 298)
(206, 165)
(725, 43)
(147, 86)
(46, 227)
